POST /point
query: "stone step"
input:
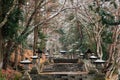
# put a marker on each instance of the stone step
(65, 76)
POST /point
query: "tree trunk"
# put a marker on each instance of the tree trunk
(1, 50)
(6, 55)
(17, 45)
(36, 29)
(1, 39)
(111, 48)
(16, 58)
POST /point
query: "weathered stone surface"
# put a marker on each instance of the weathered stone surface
(58, 67)
(34, 71)
(65, 60)
(63, 77)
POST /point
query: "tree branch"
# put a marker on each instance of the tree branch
(26, 32)
(31, 17)
(7, 14)
(52, 16)
(39, 5)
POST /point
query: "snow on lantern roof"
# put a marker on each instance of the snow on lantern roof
(81, 54)
(34, 57)
(99, 61)
(63, 51)
(77, 50)
(93, 57)
(46, 54)
(25, 62)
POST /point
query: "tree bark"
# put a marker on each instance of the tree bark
(16, 57)
(1, 50)
(6, 54)
(35, 29)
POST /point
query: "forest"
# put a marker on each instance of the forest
(54, 25)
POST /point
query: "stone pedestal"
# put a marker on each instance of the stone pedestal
(34, 71)
(26, 76)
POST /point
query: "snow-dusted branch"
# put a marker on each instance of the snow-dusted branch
(52, 16)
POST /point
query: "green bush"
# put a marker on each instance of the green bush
(17, 77)
(2, 77)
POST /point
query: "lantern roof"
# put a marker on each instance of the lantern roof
(99, 61)
(25, 62)
(34, 57)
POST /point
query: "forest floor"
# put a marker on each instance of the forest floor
(10, 74)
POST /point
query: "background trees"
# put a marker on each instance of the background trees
(95, 25)
(11, 36)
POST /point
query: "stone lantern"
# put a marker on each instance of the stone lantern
(26, 63)
(78, 52)
(47, 55)
(63, 51)
(74, 45)
(81, 55)
(93, 58)
(34, 68)
(34, 58)
(71, 51)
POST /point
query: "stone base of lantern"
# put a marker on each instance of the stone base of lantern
(34, 71)
(99, 76)
(26, 76)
